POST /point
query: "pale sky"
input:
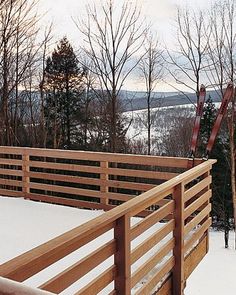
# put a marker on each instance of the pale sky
(161, 13)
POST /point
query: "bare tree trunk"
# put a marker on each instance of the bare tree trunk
(149, 125)
(151, 69)
(233, 158)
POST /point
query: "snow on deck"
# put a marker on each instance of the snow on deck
(27, 224)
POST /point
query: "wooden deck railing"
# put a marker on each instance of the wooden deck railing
(98, 181)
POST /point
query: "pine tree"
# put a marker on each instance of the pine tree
(222, 208)
(63, 86)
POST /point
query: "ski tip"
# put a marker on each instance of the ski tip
(206, 156)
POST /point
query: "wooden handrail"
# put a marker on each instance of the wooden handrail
(100, 156)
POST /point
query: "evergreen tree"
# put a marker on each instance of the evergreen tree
(221, 190)
(63, 86)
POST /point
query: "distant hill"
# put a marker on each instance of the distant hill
(135, 100)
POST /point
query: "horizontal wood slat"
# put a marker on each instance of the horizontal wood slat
(91, 181)
(150, 264)
(151, 283)
(166, 287)
(10, 182)
(10, 162)
(197, 235)
(152, 219)
(198, 173)
(69, 202)
(197, 219)
(195, 256)
(99, 282)
(150, 242)
(65, 189)
(65, 167)
(155, 199)
(11, 193)
(141, 173)
(79, 269)
(98, 170)
(80, 191)
(63, 178)
(197, 204)
(193, 191)
(12, 172)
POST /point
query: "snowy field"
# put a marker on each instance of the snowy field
(26, 224)
(216, 273)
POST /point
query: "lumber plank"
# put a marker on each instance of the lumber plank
(10, 162)
(100, 282)
(152, 219)
(11, 172)
(79, 269)
(154, 280)
(11, 193)
(166, 288)
(197, 204)
(197, 219)
(69, 202)
(197, 235)
(195, 257)
(10, 182)
(197, 188)
(150, 264)
(150, 242)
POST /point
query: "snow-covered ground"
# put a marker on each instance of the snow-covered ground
(26, 224)
(216, 274)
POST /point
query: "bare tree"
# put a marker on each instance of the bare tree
(45, 47)
(188, 63)
(113, 35)
(18, 53)
(151, 69)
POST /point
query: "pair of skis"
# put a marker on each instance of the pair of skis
(199, 112)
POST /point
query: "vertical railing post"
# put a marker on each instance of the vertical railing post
(104, 177)
(25, 177)
(122, 256)
(178, 271)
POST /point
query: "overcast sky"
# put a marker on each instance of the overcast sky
(161, 13)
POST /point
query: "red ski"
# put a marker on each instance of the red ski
(199, 112)
(221, 113)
